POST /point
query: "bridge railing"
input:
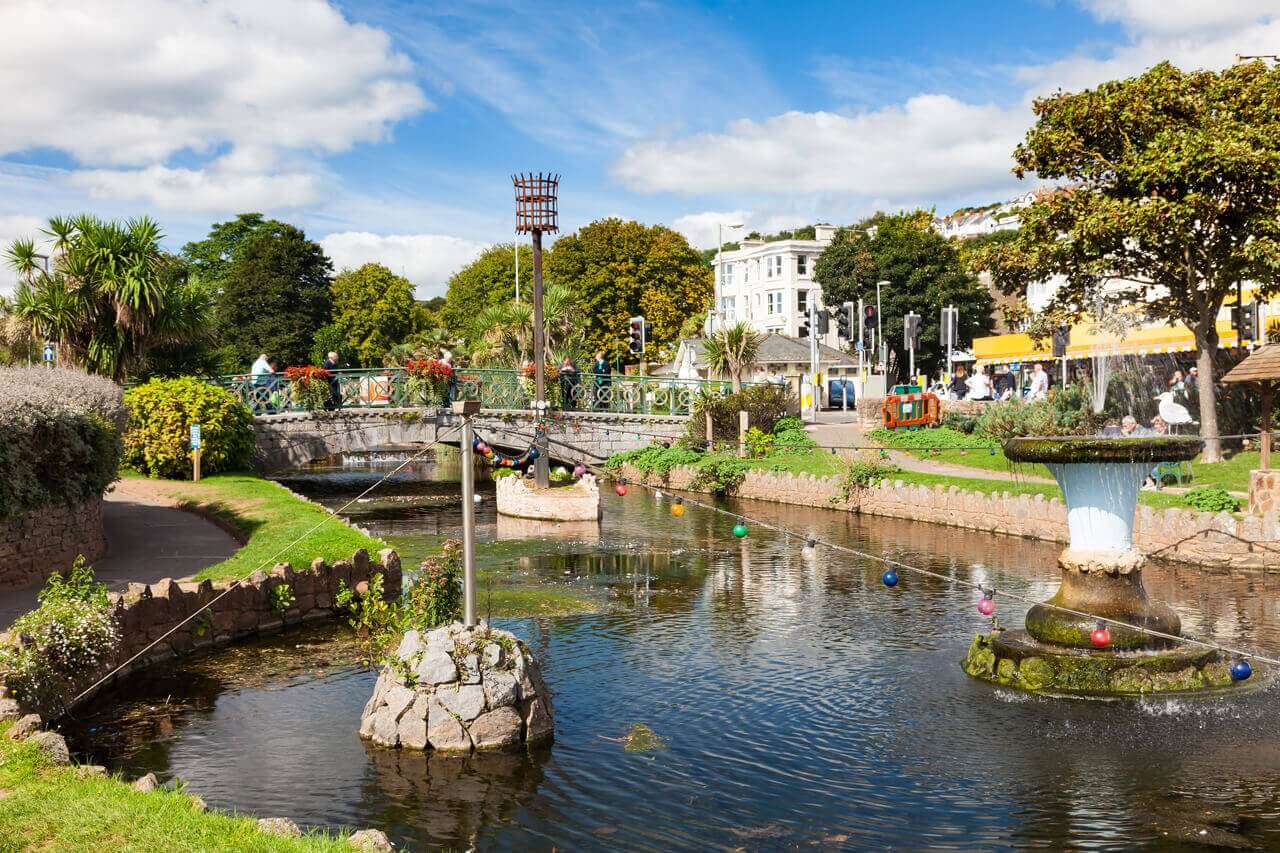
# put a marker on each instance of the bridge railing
(494, 388)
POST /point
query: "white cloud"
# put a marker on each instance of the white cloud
(200, 189)
(140, 83)
(13, 227)
(932, 145)
(427, 260)
(1181, 16)
(702, 229)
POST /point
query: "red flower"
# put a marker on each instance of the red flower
(307, 374)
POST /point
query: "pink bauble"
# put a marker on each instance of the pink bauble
(986, 607)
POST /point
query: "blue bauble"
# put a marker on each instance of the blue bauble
(1240, 670)
(890, 577)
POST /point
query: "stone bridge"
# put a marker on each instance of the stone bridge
(288, 440)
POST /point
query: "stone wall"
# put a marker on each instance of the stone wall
(39, 543)
(1201, 538)
(1264, 492)
(145, 612)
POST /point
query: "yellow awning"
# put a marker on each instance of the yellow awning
(1088, 340)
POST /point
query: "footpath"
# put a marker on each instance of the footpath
(148, 538)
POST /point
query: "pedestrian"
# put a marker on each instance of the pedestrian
(1040, 383)
(959, 386)
(261, 367)
(603, 381)
(451, 384)
(1177, 384)
(568, 384)
(979, 386)
(1191, 388)
(335, 389)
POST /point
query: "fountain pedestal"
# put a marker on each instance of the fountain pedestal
(1101, 580)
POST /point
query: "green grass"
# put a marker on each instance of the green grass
(818, 463)
(60, 808)
(269, 518)
(1159, 500)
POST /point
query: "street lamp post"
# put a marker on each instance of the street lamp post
(884, 358)
(536, 213)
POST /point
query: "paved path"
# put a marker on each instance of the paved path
(148, 538)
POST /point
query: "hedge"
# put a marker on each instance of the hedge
(161, 412)
(59, 437)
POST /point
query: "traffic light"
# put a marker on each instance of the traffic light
(1245, 319)
(1061, 337)
(824, 323)
(635, 329)
(911, 331)
(803, 330)
(844, 321)
(949, 333)
(648, 336)
(869, 317)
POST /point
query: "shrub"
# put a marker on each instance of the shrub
(719, 474)
(161, 413)
(759, 443)
(499, 473)
(282, 599)
(655, 459)
(863, 474)
(378, 623)
(1064, 412)
(59, 645)
(787, 424)
(435, 596)
(765, 405)
(960, 422)
(792, 440)
(310, 386)
(1211, 499)
(59, 437)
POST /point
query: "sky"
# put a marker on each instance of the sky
(388, 129)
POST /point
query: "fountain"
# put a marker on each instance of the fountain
(1062, 652)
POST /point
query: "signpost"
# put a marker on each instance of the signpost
(49, 354)
(196, 447)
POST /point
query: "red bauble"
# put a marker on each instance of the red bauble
(482, 447)
(621, 489)
(986, 606)
(1101, 638)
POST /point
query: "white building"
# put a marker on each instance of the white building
(977, 221)
(770, 285)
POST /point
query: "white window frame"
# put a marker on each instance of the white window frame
(728, 306)
(726, 275)
(802, 265)
(774, 303)
(802, 303)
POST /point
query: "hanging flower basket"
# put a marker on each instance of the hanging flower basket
(428, 383)
(311, 388)
(528, 386)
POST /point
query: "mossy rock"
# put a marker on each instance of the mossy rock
(1217, 674)
(1133, 679)
(1183, 679)
(1036, 673)
(1006, 671)
(980, 662)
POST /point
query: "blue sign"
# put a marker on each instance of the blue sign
(195, 436)
(48, 353)
(860, 346)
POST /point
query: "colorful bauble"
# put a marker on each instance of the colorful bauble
(739, 530)
(890, 577)
(621, 489)
(986, 606)
(1240, 670)
(677, 507)
(1101, 637)
(579, 470)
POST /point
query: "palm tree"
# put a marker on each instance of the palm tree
(733, 351)
(503, 334)
(107, 294)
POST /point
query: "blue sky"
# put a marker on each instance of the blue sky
(388, 129)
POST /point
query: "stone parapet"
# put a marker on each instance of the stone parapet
(1214, 540)
(45, 541)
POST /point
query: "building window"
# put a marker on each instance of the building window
(726, 306)
(802, 302)
(802, 264)
(775, 302)
(726, 275)
(773, 266)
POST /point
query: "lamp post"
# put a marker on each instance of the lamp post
(715, 309)
(536, 212)
(468, 409)
(884, 357)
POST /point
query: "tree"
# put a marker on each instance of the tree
(733, 351)
(616, 270)
(108, 295)
(488, 280)
(1174, 200)
(211, 257)
(276, 296)
(503, 334)
(373, 309)
(925, 274)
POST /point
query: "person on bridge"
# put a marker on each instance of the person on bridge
(568, 383)
(335, 390)
(451, 387)
(603, 381)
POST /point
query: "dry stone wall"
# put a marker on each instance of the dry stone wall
(1201, 538)
(145, 613)
(47, 540)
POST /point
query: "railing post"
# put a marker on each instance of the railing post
(742, 433)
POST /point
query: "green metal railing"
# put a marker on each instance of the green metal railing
(494, 388)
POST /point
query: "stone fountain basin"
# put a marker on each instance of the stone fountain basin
(1068, 449)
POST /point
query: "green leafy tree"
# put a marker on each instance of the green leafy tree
(211, 257)
(503, 334)
(732, 352)
(373, 309)
(276, 296)
(1174, 199)
(925, 273)
(488, 280)
(617, 269)
(106, 296)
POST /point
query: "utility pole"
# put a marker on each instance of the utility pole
(862, 347)
(813, 356)
(467, 409)
(517, 272)
(535, 213)
(884, 355)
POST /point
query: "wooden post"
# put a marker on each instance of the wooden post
(195, 465)
(742, 434)
(1268, 389)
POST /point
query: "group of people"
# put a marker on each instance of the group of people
(265, 373)
(571, 379)
(980, 385)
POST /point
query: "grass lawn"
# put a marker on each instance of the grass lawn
(818, 463)
(269, 518)
(45, 807)
(1159, 500)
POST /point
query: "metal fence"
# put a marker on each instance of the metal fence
(494, 388)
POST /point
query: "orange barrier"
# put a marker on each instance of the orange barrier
(910, 410)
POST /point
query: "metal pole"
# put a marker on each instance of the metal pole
(862, 339)
(949, 330)
(813, 356)
(468, 524)
(541, 465)
(517, 272)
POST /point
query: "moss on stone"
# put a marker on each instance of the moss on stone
(1102, 449)
(1036, 673)
(1132, 679)
(1217, 674)
(1006, 670)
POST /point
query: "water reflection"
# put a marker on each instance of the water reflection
(803, 704)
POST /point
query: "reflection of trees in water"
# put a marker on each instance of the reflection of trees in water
(453, 800)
